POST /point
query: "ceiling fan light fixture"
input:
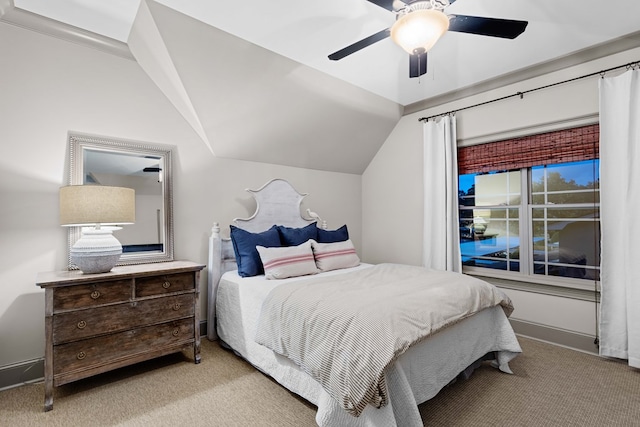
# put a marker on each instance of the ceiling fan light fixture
(419, 30)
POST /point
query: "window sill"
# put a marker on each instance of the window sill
(555, 286)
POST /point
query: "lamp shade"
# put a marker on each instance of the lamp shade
(419, 30)
(82, 205)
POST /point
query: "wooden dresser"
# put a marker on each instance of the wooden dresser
(98, 322)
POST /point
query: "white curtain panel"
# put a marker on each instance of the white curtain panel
(619, 210)
(441, 247)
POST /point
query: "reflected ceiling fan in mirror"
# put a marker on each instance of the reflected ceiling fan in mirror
(419, 24)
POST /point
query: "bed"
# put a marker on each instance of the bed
(243, 311)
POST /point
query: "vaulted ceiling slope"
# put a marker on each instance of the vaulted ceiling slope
(248, 103)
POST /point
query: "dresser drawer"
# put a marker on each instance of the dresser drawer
(90, 295)
(158, 285)
(81, 324)
(93, 352)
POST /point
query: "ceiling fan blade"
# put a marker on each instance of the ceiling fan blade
(359, 45)
(386, 4)
(494, 27)
(417, 64)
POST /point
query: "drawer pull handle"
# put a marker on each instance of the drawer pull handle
(95, 294)
(176, 306)
(82, 324)
(81, 355)
(175, 332)
(166, 284)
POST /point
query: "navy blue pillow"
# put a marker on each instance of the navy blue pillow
(244, 246)
(297, 236)
(333, 236)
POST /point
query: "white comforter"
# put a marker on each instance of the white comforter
(346, 330)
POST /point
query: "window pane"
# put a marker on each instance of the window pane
(466, 190)
(566, 183)
(514, 184)
(498, 188)
(570, 176)
(586, 213)
(584, 196)
(537, 179)
(564, 240)
(489, 238)
(489, 189)
(538, 199)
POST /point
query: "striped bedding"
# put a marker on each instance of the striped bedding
(345, 330)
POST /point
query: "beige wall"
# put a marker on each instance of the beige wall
(392, 201)
(49, 87)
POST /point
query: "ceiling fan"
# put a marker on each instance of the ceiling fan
(420, 23)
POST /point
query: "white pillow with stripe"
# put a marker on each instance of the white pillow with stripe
(289, 261)
(333, 256)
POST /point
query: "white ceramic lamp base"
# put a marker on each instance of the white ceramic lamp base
(97, 250)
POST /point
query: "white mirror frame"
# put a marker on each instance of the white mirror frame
(78, 143)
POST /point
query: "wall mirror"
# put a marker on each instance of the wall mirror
(142, 166)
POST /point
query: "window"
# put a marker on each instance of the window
(536, 220)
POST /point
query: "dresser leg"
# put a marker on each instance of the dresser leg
(196, 352)
(48, 357)
(48, 404)
(48, 384)
(48, 396)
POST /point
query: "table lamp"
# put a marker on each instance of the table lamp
(99, 210)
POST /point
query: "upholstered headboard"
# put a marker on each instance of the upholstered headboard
(278, 203)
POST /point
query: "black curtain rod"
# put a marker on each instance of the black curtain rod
(630, 65)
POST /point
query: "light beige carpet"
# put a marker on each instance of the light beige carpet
(551, 386)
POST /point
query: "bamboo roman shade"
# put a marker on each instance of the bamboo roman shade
(568, 145)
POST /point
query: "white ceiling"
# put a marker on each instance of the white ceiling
(307, 31)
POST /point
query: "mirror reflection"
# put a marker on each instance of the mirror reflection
(146, 169)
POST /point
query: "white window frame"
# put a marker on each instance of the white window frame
(526, 261)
